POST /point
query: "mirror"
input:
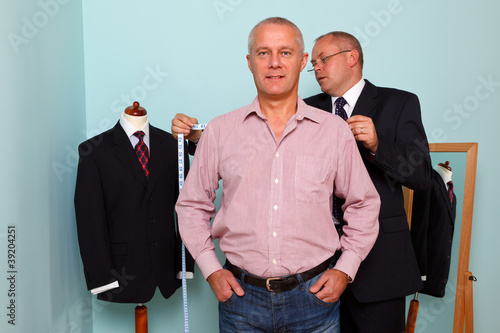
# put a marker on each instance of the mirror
(463, 160)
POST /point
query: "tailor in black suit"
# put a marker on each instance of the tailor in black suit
(432, 225)
(390, 270)
(126, 225)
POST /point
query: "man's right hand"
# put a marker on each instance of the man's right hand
(330, 285)
(182, 124)
(223, 283)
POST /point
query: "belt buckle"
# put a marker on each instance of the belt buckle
(268, 285)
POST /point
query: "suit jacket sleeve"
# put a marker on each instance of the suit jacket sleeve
(191, 148)
(421, 215)
(403, 156)
(91, 223)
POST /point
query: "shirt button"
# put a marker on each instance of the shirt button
(154, 244)
(277, 155)
(275, 207)
(276, 181)
(152, 221)
(275, 234)
(274, 261)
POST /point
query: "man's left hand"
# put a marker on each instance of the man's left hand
(330, 285)
(364, 130)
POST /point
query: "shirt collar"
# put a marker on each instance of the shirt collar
(254, 107)
(130, 130)
(303, 110)
(351, 96)
(446, 178)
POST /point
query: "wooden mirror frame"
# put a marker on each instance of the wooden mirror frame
(463, 299)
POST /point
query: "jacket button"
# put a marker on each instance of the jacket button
(154, 244)
(152, 221)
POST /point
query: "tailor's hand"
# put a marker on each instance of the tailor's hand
(182, 124)
(364, 130)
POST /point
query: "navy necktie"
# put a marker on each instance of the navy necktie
(339, 108)
(141, 150)
(338, 202)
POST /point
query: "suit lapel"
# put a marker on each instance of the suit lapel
(157, 158)
(366, 102)
(124, 151)
(325, 103)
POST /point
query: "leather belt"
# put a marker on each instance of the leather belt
(278, 284)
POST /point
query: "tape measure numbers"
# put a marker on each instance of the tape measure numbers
(180, 148)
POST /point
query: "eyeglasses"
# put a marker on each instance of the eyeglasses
(324, 59)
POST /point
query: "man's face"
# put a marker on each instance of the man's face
(275, 61)
(333, 77)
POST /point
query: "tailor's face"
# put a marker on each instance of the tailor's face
(333, 76)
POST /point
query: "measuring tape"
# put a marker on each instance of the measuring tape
(180, 149)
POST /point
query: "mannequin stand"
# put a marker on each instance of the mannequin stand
(141, 319)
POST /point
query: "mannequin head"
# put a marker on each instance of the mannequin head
(136, 115)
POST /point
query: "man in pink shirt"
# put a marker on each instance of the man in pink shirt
(281, 162)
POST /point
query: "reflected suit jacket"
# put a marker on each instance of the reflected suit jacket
(432, 225)
(126, 225)
(390, 270)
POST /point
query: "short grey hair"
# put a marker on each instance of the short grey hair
(278, 21)
(345, 41)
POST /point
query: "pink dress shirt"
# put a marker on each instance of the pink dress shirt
(275, 216)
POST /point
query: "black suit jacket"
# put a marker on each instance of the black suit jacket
(432, 225)
(390, 270)
(126, 225)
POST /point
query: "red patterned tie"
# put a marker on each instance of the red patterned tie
(142, 152)
(450, 191)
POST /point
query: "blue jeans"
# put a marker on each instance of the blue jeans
(296, 310)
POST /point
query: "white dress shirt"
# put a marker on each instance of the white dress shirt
(351, 96)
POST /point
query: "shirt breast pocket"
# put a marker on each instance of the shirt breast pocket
(311, 173)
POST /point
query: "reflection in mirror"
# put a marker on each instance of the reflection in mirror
(435, 314)
(463, 311)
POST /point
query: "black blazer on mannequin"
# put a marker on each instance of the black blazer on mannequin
(432, 225)
(390, 270)
(126, 225)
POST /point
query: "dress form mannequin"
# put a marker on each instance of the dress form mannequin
(113, 190)
(444, 171)
(432, 229)
(136, 115)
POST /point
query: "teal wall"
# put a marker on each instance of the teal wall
(43, 112)
(77, 66)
